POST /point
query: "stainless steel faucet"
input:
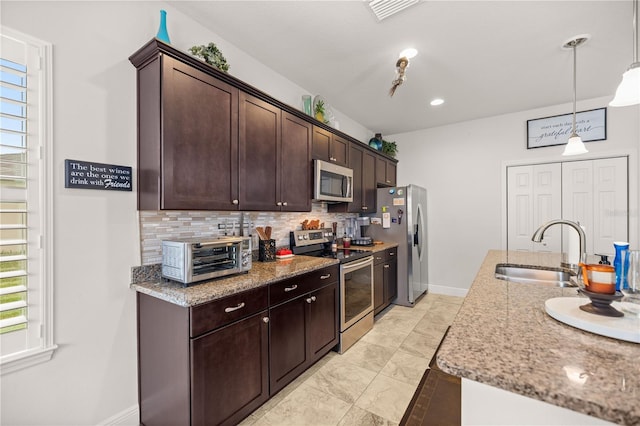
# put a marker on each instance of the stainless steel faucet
(537, 237)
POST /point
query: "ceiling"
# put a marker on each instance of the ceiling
(484, 58)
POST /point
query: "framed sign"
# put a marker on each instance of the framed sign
(88, 175)
(591, 125)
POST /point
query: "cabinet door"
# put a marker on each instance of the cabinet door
(321, 144)
(391, 173)
(339, 150)
(323, 320)
(229, 376)
(391, 280)
(355, 162)
(378, 287)
(259, 152)
(288, 349)
(295, 164)
(199, 141)
(368, 182)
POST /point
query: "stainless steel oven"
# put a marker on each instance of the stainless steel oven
(356, 295)
(356, 281)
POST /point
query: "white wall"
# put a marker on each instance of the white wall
(93, 376)
(461, 166)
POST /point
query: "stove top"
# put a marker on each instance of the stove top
(317, 243)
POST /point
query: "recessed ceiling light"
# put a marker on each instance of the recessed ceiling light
(437, 102)
(408, 53)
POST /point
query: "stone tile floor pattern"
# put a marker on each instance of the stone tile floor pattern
(373, 382)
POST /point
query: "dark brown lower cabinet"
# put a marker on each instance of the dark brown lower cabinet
(302, 330)
(230, 372)
(215, 363)
(385, 279)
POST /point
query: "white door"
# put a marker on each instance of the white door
(595, 194)
(534, 197)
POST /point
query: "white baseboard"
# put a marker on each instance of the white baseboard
(128, 417)
(449, 291)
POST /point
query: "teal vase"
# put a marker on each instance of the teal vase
(163, 35)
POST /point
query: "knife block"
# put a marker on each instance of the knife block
(266, 250)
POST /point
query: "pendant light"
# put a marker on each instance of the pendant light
(574, 145)
(628, 92)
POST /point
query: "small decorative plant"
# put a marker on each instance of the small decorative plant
(319, 110)
(211, 55)
(389, 148)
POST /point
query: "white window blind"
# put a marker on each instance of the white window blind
(25, 202)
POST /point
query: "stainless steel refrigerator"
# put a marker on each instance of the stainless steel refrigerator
(401, 217)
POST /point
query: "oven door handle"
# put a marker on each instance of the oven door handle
(355, 265)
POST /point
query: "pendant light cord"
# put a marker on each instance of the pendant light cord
(574, 88)
(635, 31)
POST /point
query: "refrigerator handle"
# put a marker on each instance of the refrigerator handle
(415, 235)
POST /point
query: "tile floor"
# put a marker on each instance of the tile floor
(373, 382)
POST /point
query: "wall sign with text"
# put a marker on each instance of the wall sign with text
(87, 175)
(548, 131)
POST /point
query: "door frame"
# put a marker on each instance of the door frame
(633, 188)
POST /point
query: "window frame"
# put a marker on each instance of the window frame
(43, 348)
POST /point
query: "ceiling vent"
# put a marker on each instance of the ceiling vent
(385, 8)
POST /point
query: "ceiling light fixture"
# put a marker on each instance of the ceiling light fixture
(628, 92)
(575, 145)
(408, 53)
(437, 102)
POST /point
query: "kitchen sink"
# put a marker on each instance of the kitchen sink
(535, 274)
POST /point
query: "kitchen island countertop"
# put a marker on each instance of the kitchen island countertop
(502, 337)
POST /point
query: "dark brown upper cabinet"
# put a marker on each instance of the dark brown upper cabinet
(363, 163)
(187, 138)
(385, 172)
(330, 147)
(208, 141)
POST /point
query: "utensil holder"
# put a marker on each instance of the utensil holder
(267, 250)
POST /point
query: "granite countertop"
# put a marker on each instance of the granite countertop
(503, 337)
(148, 280)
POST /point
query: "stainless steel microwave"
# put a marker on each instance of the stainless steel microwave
(197, 259)
(332, 183)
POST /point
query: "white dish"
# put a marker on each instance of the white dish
(567, 310)
(284, 256)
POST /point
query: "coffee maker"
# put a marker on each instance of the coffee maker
(357, 227)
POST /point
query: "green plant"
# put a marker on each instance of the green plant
(211, 55)
(389, 148)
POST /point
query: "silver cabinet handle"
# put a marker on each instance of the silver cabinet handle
(311, 299)
(265, 320)
(324, 277)
(235, 202)
(388, 181)
(378, 257)
(234, 308)
(284, 203)
(392, 253)
(278, 203)
(293, 287)
(386, 266)
(365, 207)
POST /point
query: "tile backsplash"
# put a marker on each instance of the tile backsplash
(156, 226)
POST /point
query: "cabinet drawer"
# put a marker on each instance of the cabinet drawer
(391, 253)
(209, 316)
(379, 257)
(293, 287)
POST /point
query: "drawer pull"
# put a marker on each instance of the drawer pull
(392, 253)
(234, 308)
(265, 319)
(311, 299)
(293, 287)
(324, 277)
(386, 266)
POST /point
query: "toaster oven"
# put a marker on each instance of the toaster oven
(197, 259)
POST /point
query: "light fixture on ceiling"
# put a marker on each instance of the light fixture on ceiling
(575, 145)
(408, 53)
(437, 101)
(628, 92)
